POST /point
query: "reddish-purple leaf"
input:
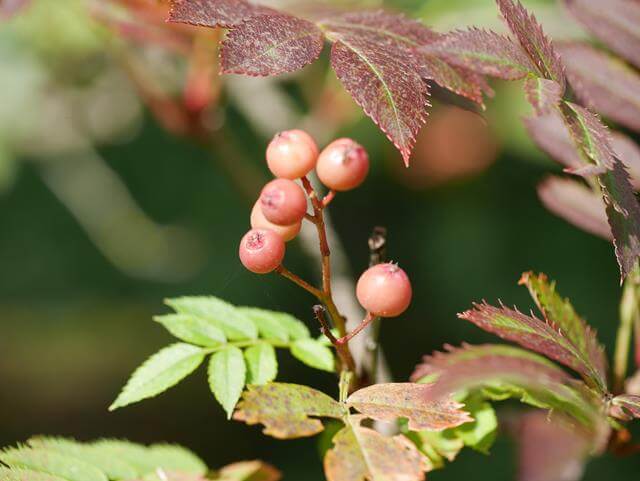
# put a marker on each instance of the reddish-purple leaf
(458, 80)
(623, 212)
(532, 39)
(625, 407)
(577, 204)
(561, 313)
(603, 82)
(551, 449)
(543, 94)
(215, 13)
(484, 52)
(629, 153)
(544, 337)
(388, 402)
(386, 86)
(271, 45)
(9, 8)
(615, 22)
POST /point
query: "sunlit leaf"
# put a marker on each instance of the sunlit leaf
(603, 82)
(577, 204)
(542, 94)
(262, 365)
(215, 13)
(172, 457)
(543, 336)
(361, 454)
(532, 39)
(561, 313)
(387, 402)
(314, 354)
(161, 371)
(227, 377)
(628, 406)
(271, 45)
(285, 410)
(65, 466)
(483, 51)
(615, 22)
(8, 474)
(192, 329)
(249, 471)
(276, 326)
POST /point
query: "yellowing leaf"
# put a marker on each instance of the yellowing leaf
(249, 471)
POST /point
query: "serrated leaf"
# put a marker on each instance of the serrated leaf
(161, 371)
(458, 80)
(163, 475)
(285, 409)
(174, 458)
(113, 467)
(271, 45)
(501, 372)
(388, 402)
(545, 337)
(236, 325)
(533, 41)
(276, 326)
(603, 83)
(8, 474)
(615, 22)
(361, 453)
(543, 94)
(480, 434)
(262, 365)
(215, 13)
(577, 204)
(227, 377)
(249, 471)
(65, 466)
(314, 354)
(628, 407)
(192, 329)
(484, 52)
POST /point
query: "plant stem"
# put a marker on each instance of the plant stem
(369, 318)
(346, 359)
(629, 316)
(284, 272)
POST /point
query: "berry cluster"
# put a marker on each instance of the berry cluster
(384, 290)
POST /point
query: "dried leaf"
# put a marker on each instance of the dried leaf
(543, 94)
(628, 406)
(249, 471)
(484, 52)
(615, 22)
(215, 13)
(544, 337)
(285, 409)
(561, 313)
(550, 449)
(361, 454)
(387, 402)
(577, 204)
(270, 45)
(532, 39)
(603, 82)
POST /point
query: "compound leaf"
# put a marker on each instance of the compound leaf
(41, 460)
(8, 474)
(249, 471)
(543, 94)
(314, 354)
(276, 326)
(387, 402)
(192, 329)
(215, 13)
(227, 377)
(161, 371)
(262, 365)
(285, 410)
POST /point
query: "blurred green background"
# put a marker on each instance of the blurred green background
(104, 212)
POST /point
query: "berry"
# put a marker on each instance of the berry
(343, 165)
(259, 221)
(283, 202)
(384, 290)
(292, 154)
(261, 250)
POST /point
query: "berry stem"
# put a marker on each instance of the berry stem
(368, 319)
(346, 359)
(284, 272)
(328, 198)
(629, 315)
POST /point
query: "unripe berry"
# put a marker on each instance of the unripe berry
(261, 250)
(259, 221)
(343, 165)
(384, 290)
(283, 202)
(292, 154)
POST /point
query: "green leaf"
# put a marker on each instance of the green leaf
(8, 474)
(236, 325)
(172, 457)
(135, 455)
(192, 329)
(481, 433)
(161, 371)
(262, 365)
(227, 375)
(438, 446)
(67, 467)
(314, 354)
(113, 467)
(285, 409)
(249, 471)
(276, 326)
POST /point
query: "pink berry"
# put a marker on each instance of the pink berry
(259, 221)
(283, 202)
(343, 165)
(384, 290)
(261, 250)
(292, 154)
